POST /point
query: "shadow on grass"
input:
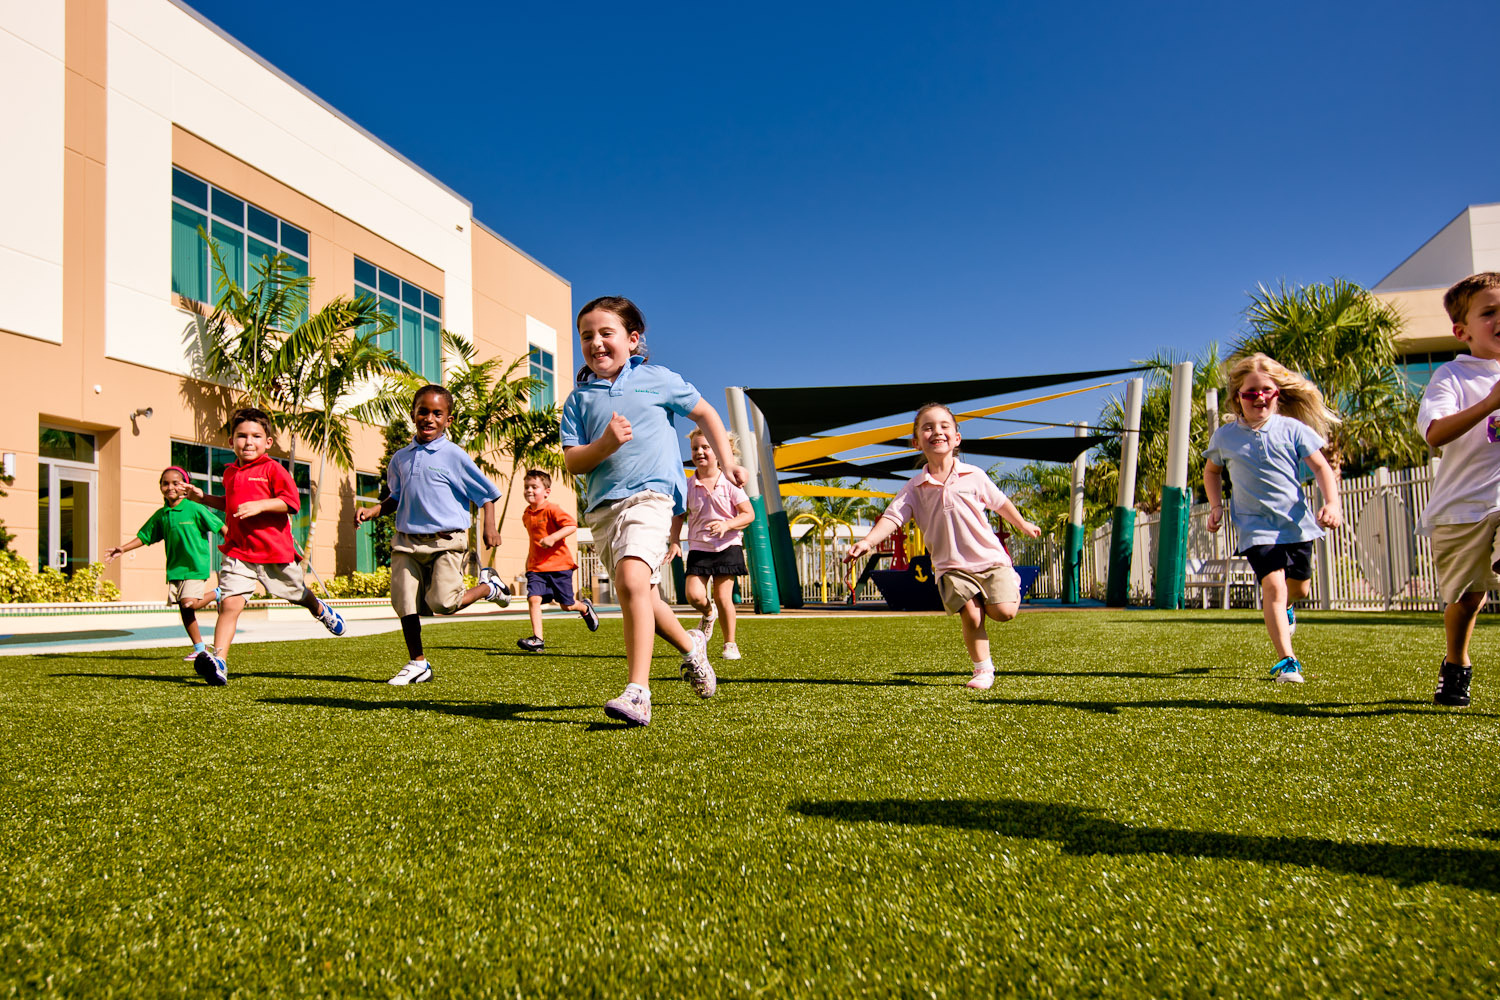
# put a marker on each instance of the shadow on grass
(489, 711)
(1082, 832)
(1312, 619)
(332, 678)
(159, 678)
(1289, 709)
(41, 638)
(522, 654)
(187, 678)
(893, 682)
(1133, 674)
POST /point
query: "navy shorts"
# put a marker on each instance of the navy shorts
(1294, 557)
(551, 586)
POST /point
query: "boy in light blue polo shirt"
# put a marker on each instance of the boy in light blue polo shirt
(432, 483)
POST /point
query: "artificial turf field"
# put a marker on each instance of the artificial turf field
(1133, 810)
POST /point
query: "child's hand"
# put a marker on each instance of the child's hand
(191, 491)
(674, 551)
(719, 528)
(113, 554)
(856, 550)
(252, 507)
(491, 537)
(1330, 516)
(1216, 518)
(363, 514)
(618, 431)
(738, 475)
(1029, 530)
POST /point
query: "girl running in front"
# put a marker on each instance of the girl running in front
(948, 499)
(717, 513)
(617, 432)
(1281, 422)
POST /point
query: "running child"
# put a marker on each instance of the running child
(184, 525)
(432, 483)
(259, 498)
(1280, 422)
(717, 511)
(617, 431)
(948, 499)
(549, 562)
(1458, 415)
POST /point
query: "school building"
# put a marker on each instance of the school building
(128, 125)
(1468, 244)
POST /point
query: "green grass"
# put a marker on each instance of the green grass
(1133, 810)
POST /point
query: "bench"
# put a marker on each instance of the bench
(1204, 575)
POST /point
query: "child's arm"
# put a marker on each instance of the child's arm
(119, 550)
(884, 528)
(1442, 430)
(745, 516)
(584, 458)
(274, 505)
(382, 509)
(674, 549)
(491, 536)
(707, 419)
(547, 541)
(1213, 488)
(1331, 514)
(209, 500)
(1008, 511)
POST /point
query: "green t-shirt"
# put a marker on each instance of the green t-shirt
(185, 529)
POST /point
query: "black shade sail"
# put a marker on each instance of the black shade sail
(803, 412)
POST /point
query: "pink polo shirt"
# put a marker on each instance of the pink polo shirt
(718, 503)
(951, 516)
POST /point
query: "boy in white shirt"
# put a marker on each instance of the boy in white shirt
(1458, 415)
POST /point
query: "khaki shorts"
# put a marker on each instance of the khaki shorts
(998, 584)
(185, 590)
(238, 578)
(427, 573)
(639, 526)
(1465, 555)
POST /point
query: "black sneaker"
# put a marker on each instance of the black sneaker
(590, 616)
(1453, 685)
(531, 644)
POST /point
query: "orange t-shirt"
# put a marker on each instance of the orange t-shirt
(541, 522)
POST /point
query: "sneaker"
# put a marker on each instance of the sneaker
(632, 708)
(532, 644)
(331, 619)
(211, 668)
(695, 667)
(499, 592)
(731, 651)
(415, 672)
(1453, 685)
(983, 679)
(191, 657)
(589, 615)
(706, 621)
(1288, 670)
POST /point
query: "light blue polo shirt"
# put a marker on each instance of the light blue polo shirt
(433, 485)
(1268, 505)
(648, 396)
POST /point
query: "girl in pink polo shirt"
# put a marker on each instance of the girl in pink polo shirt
(717, 511)
(948, 499)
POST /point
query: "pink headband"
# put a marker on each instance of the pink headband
(176, 468)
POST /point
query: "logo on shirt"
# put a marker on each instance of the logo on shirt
(649, 392)
(1492, 429)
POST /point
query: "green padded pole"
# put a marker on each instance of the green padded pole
(679, 579)
(762, 565)
(788, 581)
(1121, 551)
(1072, 563)
(1171, 552)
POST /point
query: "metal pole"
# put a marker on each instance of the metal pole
(1171, 552)
(1122, 531)
(1211, 415)
(757, 532)
(1073, 545)
(1383, 485)
(783, 554)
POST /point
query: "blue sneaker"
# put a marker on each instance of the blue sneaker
(1288, 670)
(213, 670)
(331, 619)
(1291, 620)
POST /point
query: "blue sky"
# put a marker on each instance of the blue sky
(842, 193)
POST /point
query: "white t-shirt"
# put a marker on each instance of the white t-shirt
(1467, 486)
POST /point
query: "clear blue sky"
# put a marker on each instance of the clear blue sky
(841, 193)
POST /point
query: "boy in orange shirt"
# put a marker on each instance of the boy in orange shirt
(549, 563)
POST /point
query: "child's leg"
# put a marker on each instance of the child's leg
(411, 631)
(190, 621)
(1273, 597)
(1458, 622)
(975, 637)
(1003, 611)
(310, 601)
(697, 593)
(229, 616)
(638, 606)
(1297, 590)
(534, 610)
(724, 598)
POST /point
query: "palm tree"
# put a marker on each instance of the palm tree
(1043, 493)
(1344, 339)
(826, 514)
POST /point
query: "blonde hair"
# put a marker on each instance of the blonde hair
(1297, 397)
(734, 441)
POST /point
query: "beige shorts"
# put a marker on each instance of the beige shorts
(998, 584)
(238, 578)
(640, 526)
(427, 573)
(185, 590)
(1465, 555)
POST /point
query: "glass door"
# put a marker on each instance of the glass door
(67, 515)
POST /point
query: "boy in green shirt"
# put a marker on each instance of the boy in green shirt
(184, 526)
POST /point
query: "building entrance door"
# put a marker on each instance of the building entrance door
(67, 505)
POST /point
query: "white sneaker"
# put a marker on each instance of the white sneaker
(706, 622)
(415, 672)
(695, 667)
(731, 651)
(632, 708)
(983, 679)
(499, 593)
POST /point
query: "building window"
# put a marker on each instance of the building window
(1417, 368)
(205, 468)
(545, 368)
(416, 316)
(242, 232)
(367, 493)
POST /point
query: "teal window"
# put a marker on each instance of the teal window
(242, 232)
(367, 493)
(416, 317)
(205, 468)
(1417, 368)
(544, 367)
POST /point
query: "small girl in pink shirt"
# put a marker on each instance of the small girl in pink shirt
(717, 510)
(948, 499)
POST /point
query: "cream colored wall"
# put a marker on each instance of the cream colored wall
(1425, 324)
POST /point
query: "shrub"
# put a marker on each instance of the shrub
(21, 584)
(376, 584)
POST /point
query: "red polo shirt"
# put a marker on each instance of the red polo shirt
(266, 537)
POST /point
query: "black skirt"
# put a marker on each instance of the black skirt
(729, 562)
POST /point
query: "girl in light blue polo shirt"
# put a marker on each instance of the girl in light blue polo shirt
(1280, 422)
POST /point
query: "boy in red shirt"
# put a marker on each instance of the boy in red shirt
(549, 563)
(259, 499)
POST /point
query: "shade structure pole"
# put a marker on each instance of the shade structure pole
(1171, 552)
(788, 580)
(1122, 528)
(757, 532)
(1073, 542)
